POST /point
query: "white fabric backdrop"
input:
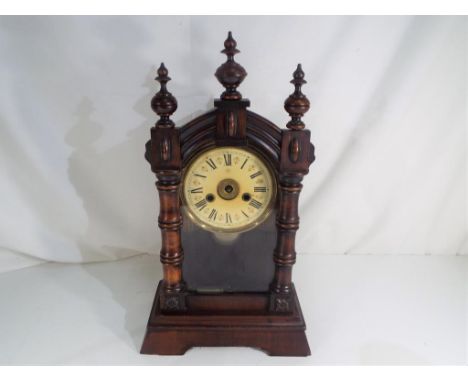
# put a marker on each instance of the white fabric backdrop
(388, 119)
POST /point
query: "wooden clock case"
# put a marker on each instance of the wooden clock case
(183, 317)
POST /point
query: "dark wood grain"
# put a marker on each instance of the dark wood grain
(230, 74)
(163, 152)
(246, 325)
(297, 153)
(240, 293)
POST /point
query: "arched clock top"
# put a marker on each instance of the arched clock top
(230, 123)
(197, 135)
(203, 133)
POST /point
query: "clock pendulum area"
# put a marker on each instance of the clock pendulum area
(228, 183)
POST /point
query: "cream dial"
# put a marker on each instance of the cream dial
(228, 189)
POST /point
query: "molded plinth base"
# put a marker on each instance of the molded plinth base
(226, 320)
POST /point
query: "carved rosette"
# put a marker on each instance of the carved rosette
(282, 305)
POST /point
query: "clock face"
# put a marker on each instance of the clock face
(228, 189)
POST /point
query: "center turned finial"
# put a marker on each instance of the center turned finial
(230, 74)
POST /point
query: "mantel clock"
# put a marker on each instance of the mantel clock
(228, 183)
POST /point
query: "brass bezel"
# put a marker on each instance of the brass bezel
(247, 227)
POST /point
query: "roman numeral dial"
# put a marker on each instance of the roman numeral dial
(228, 189)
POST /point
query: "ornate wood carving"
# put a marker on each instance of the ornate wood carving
(294, 150)
(165, 149)
(230, 74)
(164, 103)
(231, 124)
(277, 335)
(270, 319)
(297, 103)
(163, 153)
(231, 121)
(203, 133)
(296, 157)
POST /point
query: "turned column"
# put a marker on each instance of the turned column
(297, 153)
(163, 152)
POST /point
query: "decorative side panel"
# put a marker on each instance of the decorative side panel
(164, 150)
(297, 153)
(231, 122)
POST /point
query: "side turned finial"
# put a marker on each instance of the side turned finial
(230, 74)
(297, 103)
(164, 103)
